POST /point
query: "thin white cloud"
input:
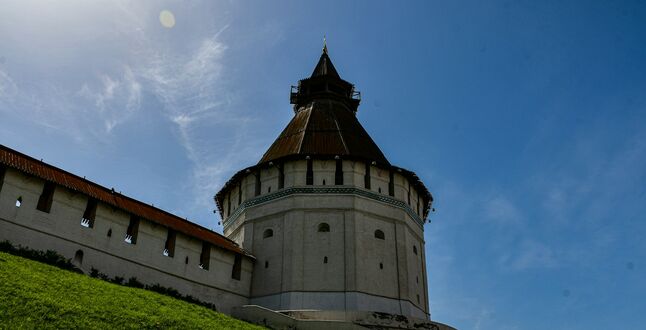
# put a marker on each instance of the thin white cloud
(502, 210)
(8, 88)
(529, 254)
(116, 99)
(197, 99)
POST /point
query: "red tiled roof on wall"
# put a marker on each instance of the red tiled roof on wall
(16, 160)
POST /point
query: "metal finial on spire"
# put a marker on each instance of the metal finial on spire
(324, 45)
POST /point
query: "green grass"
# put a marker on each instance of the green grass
(34, 295)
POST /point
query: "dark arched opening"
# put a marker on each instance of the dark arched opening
(379, 234)
(78, 258)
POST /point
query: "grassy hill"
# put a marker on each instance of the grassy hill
(36, 295)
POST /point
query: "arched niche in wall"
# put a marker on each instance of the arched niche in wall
(78, 258)
(379, 234)
(323, 227)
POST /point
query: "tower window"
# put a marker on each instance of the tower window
(415, 249)
(366, 177)
(379, 190)
(169, 245)
(89, 214)
(239, 194)
(381, 265)
(324, 227)
(19, 201)
(109, 232)
(258, 184)
(267, 233)
(309, 176)
(266, 264)
(186, 260)
(229, 205)
(325, 260)
(391, 183)
(133, 229)
(205, 256)
(3, 170)
(379, 234)
(338, 173)
(324, 182)
(46, 197)
(269, 189)
(281, 176)
(237, 267)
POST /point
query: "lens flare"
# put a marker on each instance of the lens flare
(167, 18)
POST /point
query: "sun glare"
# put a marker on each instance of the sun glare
(167, 18)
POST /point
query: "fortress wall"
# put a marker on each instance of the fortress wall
(61, 230)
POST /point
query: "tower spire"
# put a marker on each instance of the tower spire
(324, 45)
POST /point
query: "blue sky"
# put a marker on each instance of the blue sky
(526, 119)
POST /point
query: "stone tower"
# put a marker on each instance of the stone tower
(333, 225)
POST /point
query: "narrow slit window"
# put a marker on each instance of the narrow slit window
(169, 246)
(325, 260)
(267, 233)
(309, 177)
(266, 264)
(133, 229)
(381, 265)
(281, 176)
(46, 197)
(89, 214)
(324, 182)
(338, 173)
(391, 183)
(409, 193)
(19, 201)
(379, 234)
(3, 170)
(258, 184)
(205, 256)
(239, 194)
(229, 205)
(366, 177)
(415, 249)
(237, 267)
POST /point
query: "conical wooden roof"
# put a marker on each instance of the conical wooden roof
(325, 123)
(325, 67)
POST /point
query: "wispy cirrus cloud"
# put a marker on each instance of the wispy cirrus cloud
(115, 99)
(196, 98)
(8, 88)
(501, 210)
